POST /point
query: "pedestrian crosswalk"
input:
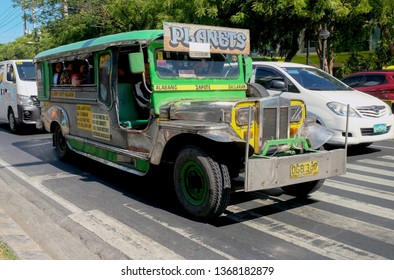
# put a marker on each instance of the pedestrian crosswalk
(350, 217)
(334, 223)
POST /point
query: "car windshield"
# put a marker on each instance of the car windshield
(180, 64)
(26, 70)
(315, 79)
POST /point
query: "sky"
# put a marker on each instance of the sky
(11, 23)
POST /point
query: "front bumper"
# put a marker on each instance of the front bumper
(359, 130)
(28, 114)
(274, 172)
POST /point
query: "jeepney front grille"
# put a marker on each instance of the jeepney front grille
(275, 123)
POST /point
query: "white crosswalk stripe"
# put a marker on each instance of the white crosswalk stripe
(364, 177)
(326, 247)
(369, 179)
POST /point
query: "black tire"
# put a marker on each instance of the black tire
(202, 184)
(303, 189)
(14, 127)
(62, 150)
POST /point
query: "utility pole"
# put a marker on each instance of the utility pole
(65, 8)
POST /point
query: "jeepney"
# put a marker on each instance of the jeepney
(180, 98)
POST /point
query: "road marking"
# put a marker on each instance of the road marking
(354, 205)
(332, 219)
(375, 171)
(35, 183)
(376, 162)
(365, 178)
(180, 231)
(107, 228)
(120, 236)
(388, 157)
(63, 175)
(297, 236)
(384, 147)
(359, 189)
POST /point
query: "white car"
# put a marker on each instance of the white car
(326, 99)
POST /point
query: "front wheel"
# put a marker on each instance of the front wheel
(62, 150)
(12, 121)
(202, 184)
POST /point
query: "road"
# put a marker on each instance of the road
(84, 210)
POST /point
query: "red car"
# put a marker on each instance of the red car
(379, 83)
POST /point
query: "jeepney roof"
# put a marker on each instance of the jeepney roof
(99, 43)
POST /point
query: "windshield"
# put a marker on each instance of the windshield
(180, 64)
(26, 70)
(315, 79)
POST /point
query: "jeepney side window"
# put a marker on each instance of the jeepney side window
(104, 79)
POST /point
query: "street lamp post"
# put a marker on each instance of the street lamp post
(323, 35)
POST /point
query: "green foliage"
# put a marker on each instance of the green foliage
(275, 25)
(6, 253)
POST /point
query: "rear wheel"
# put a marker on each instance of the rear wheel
(202, 184)
(62, 150)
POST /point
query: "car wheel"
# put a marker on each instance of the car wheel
(12, 121)
(202, 184)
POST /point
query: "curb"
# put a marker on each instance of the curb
(18, 241)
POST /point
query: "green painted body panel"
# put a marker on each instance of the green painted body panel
(111, 156)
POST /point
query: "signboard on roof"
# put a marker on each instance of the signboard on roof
(205, 39)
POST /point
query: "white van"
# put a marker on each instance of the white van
(18, 94)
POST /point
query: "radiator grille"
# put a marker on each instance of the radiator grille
(372, 111)
(275, 123)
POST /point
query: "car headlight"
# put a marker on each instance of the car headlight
(389, 110)
(341, 110)
(24, 100)
(242, 116)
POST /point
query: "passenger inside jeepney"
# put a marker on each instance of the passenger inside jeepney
(58, 69)
(202, 67)
(81, 76)
(65, 76)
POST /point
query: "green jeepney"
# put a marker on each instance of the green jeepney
(179, 97)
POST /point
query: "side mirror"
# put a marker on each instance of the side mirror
(278, 85)
(136, 61)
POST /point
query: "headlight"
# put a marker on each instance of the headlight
(242, 116)
(295, 113)
(24, 100)
(389, 110)
(341, 109)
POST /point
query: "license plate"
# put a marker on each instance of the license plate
(380, 128)
(302, 169)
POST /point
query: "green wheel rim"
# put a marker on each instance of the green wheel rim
(193, 183)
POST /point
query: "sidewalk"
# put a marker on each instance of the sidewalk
(18, 241)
